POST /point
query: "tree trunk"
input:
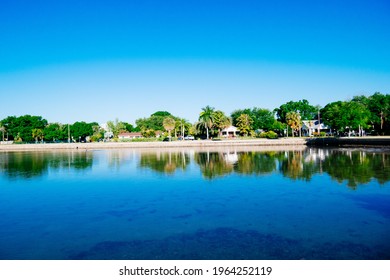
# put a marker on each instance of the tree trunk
(382, 121)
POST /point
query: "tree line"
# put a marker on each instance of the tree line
(369, 113)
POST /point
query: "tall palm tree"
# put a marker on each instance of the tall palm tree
(206, 118)
(2, 129)
(221, 121)
(244, 124)
(169, 124)
(293, 120)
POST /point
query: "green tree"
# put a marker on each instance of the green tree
(37, 134)
(342, 115)
(148, 133)
(182, 126)
(80, 130)
(98, 133)
(169, 124)
(293, 119)
(221, 121)
(379, 106)
(206, 119)
(263, 119)
(307, 111)
(116, 127)
(244, 124)
(237, 113)
(155, 121)
(332, 115)
(55, 131)
(3, 130)
(21, 127)
(161, 114)
(128, 127)
(358, 115)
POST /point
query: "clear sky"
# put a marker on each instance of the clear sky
(101, 60)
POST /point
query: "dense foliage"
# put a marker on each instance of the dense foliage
(368, 114)
(21, 128)
(305, 110)
(262, 118)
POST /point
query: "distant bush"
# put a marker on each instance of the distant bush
(270, 135)
(321, 134)
(262, 135)
(153, 139)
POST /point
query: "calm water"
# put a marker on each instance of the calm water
(195, 204)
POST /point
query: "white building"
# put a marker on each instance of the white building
(230, 131)
(311, 126)
(129, 135)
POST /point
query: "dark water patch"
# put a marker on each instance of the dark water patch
(184, 216)
(377, 203)
(126, 213)
(228, 244)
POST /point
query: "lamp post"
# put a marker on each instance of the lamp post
(182, 131)
(68, 134)
(319, 123)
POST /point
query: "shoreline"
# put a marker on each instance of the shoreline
(154, 145)
(370, 141)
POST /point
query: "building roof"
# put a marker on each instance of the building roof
(130, 134)
(313, 124)
(230, 129)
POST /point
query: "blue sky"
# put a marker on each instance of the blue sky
(101, 60)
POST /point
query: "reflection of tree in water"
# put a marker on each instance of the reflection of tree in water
(381, 165)
(26, 165)
(357, 167)
(164, 162)
(353, 166)
(293, 165)
(213, 164)
(35, 164)
(255, 163)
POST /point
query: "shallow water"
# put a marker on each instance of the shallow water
(195, 204)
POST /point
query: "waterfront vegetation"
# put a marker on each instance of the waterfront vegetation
(361, 114)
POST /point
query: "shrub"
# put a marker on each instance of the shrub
(272, 135)
(262, 135)
(322, 134)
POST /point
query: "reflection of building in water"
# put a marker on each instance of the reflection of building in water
(230, 157)
(316, 155)
(118, 158)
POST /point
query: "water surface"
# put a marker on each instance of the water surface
(195, 204)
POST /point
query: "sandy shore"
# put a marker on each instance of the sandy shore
(174, 144)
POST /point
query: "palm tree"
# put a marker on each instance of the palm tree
(293, 120)
(169, 124)
(221, 121)
(206, 118)
(244, 123)
(115, 127)
(2, 129)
